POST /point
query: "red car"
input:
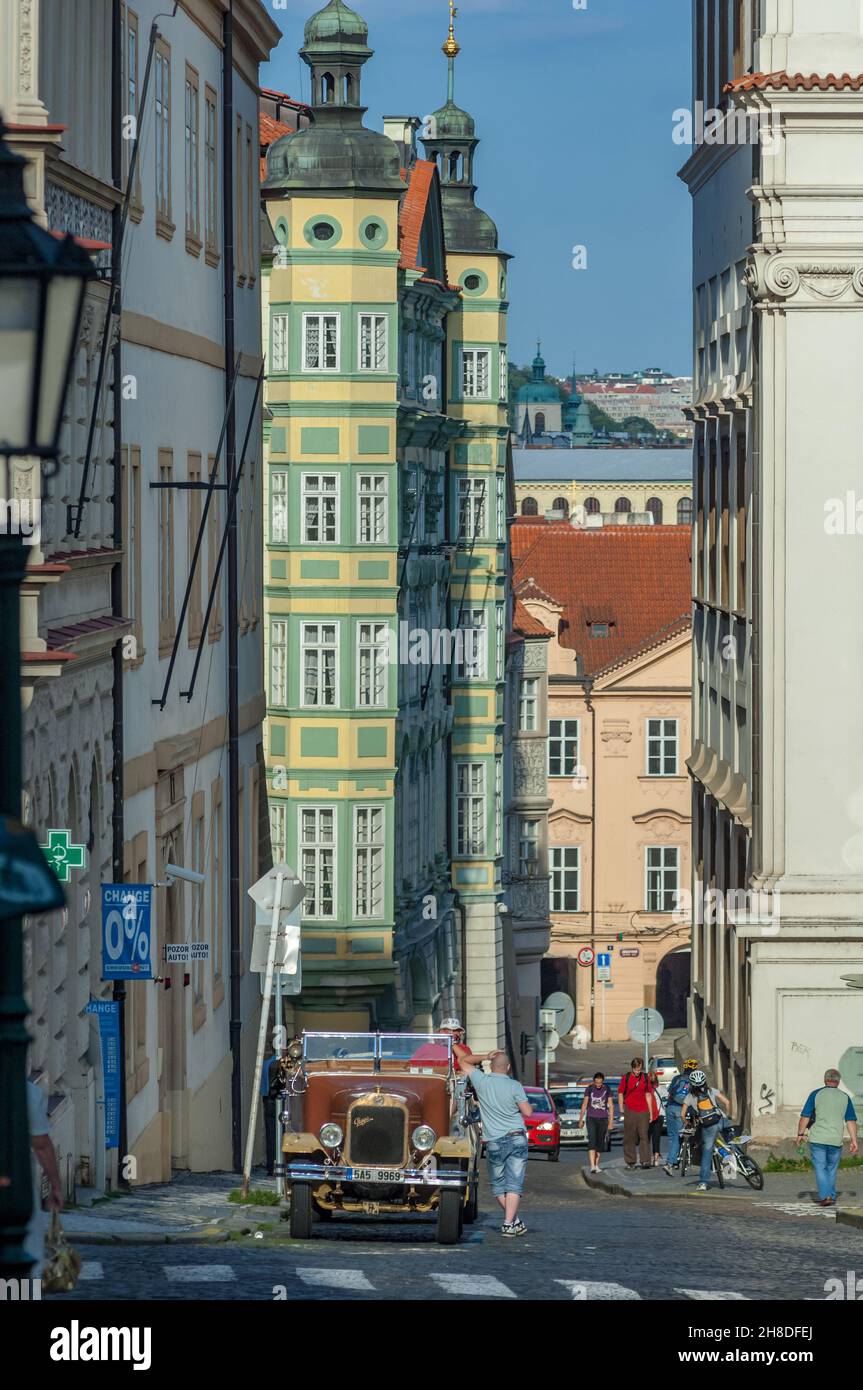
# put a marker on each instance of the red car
(543, 1126)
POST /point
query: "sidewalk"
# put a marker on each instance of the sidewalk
(780, 1189)
(192, 1208)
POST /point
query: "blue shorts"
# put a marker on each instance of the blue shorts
(507, 1162)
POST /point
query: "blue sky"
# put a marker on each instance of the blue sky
(574, 110)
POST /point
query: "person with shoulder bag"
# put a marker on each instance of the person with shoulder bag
(678, 1090)
(633, 1093)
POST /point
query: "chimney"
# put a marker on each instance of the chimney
(402, 130)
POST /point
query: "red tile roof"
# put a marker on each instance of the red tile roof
(271, 130)
(634, 578)
(59, 637)
(413, 211)
(525, 624)
(284, 100)
(795, 82)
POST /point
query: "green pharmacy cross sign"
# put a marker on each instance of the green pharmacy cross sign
(62, 855)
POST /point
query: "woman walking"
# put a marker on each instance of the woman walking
(654, 1110)
(598, 1106)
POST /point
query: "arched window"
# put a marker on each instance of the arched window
(539, 422)
(455, 166)
(592, 506)
(560, 504)
(328, 89)
(529, 507)
(684, 511)
(623, 504)
(654, 506)
(349, 90)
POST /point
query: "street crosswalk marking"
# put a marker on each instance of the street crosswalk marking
(802, 1209)
(199, 1274)
(336, 1279)
(92, 1269)
(587, 1289)
(473, 1285)
(713, 1295)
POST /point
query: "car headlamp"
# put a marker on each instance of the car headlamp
(423, 1138)
(331, 1135)
(546, 1125)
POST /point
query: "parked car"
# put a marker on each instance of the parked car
(666, 1069)
(375, 1131)
(543, 1126)
(567, 1101)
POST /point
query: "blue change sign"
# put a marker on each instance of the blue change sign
(126, 922)
(109, 1035)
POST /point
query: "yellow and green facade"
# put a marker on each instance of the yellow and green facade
(386, 459)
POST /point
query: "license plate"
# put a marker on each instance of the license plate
(572, 1133)
(375, 1175)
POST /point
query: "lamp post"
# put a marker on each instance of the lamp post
(42, 284)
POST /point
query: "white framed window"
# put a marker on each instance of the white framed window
(372, 509)
(476, 374)
(321, 342)
(528, 846)
(193, 216)
(374, 344)
(369, 861)
(163, 130)
(278, 830)
(372, 663)
(471, 508)
(501, 515)
(321, 507)
(662, 740)
(211, 168)
(279, 332)
(499, 642)
(320, 656)
(472, 646)
(318, 859)
(563, 747)
(278, 662)
(470, 808)
(503, 389)
(498, 806)
(279, 506)
(528, 704)
(565, 882)
(662, 877)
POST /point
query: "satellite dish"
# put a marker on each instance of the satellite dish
(564, 1008)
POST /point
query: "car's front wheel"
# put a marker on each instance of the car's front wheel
(302, 1215)
(450, 1216)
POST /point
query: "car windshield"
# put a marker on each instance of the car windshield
(665, 1063)
(540, 1101)
(568, 1100)
(430, 1049)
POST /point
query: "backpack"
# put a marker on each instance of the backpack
(678, 1090)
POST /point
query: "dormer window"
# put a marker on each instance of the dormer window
(600, 629)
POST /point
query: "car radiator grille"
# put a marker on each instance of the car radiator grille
(377, 1135)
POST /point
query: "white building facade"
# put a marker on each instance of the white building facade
(138, 783)
(777, 759)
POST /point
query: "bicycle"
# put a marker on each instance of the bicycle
(726, 1153)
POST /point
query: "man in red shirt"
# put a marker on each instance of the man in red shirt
(632, 1093)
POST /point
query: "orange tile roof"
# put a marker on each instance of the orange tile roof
(270, 130)
(413, 211)
(525, 624)
(634, 578)
(794, 82)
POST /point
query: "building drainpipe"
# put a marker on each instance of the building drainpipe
(232, 635)
(117, 810)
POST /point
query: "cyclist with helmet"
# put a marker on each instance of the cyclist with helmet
(677, 1093)
(704, 1102)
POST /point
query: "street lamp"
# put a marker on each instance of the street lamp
(42, 286)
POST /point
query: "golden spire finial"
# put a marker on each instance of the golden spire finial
(451, 48)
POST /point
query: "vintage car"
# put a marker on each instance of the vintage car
(376, 1133)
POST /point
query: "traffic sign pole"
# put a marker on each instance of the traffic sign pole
(262, 1032)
